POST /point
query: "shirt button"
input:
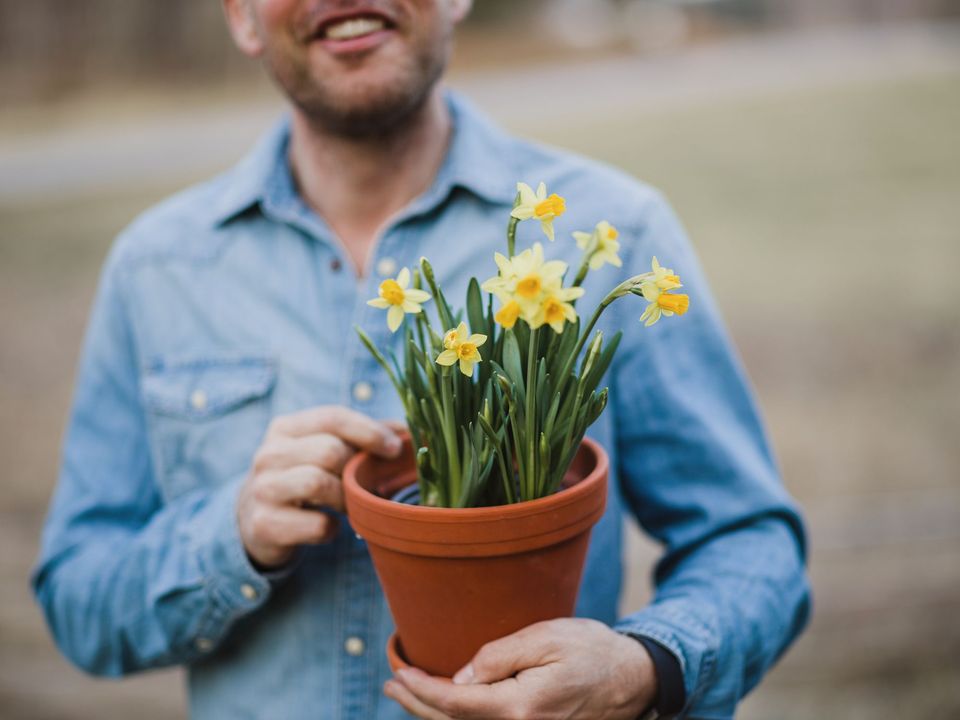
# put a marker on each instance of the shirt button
(248, 591)
(354, 646)
(386, 267)
(362, 391)
(336, 265)
(198, 400)
(204, 644)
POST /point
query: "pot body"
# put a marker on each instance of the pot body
(456, 579)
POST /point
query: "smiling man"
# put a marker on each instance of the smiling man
(221, 390)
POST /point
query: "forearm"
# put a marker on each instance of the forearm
(727, 610)
(120, 599)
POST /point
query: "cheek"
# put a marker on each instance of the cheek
(275, 14)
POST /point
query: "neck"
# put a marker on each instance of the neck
(357, 184)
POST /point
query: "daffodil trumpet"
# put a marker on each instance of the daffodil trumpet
(495, 404)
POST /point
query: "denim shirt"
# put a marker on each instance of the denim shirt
(233, 303)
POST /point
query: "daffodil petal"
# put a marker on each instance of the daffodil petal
(477, 339)
(394, 317)
(417, 296)
(403, 278)
(408, 306)
(447, 357)
(378, 303)
(466, 367)
(547, 226)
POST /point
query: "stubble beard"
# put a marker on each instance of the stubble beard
(381, 110)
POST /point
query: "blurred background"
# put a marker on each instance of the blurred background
(812, 148)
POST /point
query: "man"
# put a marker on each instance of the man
(221, 391)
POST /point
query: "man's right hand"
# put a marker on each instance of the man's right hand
(296, 471)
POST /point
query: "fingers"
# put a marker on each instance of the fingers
(530, 647)
(288, 527)
(469, 702)
(304, 485)
(323, 451)
(397, 691)
(354, 428)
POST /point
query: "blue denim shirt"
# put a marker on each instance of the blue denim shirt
(233, 302)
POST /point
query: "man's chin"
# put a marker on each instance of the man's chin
(365, 110)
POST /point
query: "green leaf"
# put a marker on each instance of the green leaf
(475, 315)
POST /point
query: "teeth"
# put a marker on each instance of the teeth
(353, 28)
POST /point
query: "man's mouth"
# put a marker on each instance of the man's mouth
(352, 28)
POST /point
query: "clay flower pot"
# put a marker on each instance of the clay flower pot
(456, 579)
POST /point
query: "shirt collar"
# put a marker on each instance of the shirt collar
(477, 160)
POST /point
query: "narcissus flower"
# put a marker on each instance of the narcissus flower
(398, 299)
(555, 310)
(539, 206)
(525, 278)
(462, 347)
(600, 246)
(663, 278)
(508, 314)
(662, 302)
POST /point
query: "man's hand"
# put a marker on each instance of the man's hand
(567, 668)
(296, 472)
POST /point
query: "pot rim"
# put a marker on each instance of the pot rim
(563, 497)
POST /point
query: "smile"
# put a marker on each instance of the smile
(352, 28)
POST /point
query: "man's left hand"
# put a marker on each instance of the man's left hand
(566, 668)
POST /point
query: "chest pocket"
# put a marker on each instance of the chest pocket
(206, 418)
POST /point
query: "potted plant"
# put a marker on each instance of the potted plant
(481, 526)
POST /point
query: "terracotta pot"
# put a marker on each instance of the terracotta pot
(456, 579)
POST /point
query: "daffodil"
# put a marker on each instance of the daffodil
(532, 276)
(662, 302)
(508, 314)
(398, 299)
(460, 346)
(600, 246)
(663, 278)
(555, 310)
(525, 278)
(539, 206)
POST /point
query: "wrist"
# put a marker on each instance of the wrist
(638, 677)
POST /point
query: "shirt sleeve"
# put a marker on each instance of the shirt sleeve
(127, 582)
(698, 473)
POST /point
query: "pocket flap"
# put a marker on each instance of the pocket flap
(199, 388)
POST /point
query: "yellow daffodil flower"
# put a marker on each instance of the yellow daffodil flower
(533, 276)
(508, 315)
(459, 346)
(600, 246)
(398, 299)
(538, 206)
(664, 278)
(661, 302)
(525, 277)
(555, 310)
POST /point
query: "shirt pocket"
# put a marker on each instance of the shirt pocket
(206, 417)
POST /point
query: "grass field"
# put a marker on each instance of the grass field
(829, 223)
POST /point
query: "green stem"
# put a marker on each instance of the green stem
(582, 272)
(531, 433)
(450, 437)
(512, 235)
(568, 366)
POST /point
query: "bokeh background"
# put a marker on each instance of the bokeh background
(812, 148)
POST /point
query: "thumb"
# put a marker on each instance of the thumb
(504, 658)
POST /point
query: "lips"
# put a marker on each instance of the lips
(350, 24)
(358, 30)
